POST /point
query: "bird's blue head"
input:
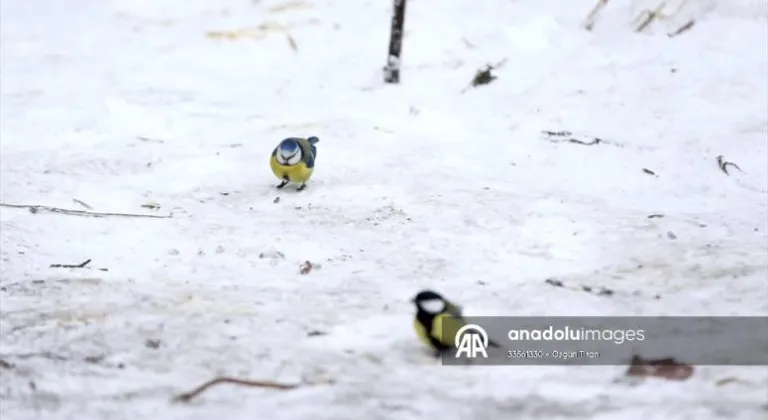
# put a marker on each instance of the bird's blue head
(288, 152)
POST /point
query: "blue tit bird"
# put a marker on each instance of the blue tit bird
(293, 160)
(437, 321)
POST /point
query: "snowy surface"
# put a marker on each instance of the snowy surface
(122, 103)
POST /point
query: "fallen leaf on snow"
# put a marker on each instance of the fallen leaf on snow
(272, 255)
(291, 5)
(258, 32)
(667, 368)
(152, 205)
(555, 283)
(94, 359)
(306, 267)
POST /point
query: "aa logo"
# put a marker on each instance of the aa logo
(471, 340)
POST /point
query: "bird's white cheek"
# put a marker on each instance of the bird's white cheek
(294, 159)
(433, 306)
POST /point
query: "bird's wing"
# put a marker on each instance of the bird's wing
(454, 309)
(308, 152)
(444, 328)
(312, 142)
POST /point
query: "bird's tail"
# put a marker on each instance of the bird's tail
(313, 140)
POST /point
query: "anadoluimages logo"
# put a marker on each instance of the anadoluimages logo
(471, 340)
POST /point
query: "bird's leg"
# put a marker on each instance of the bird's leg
(301, 188)
(282, 184)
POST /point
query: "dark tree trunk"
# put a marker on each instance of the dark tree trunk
(392, 69)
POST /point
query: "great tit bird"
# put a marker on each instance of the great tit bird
(437, 321)
(293, 160)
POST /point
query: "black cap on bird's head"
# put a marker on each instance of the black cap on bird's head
(429, 301)
(426, 295)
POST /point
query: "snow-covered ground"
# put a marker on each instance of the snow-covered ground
(122, 103)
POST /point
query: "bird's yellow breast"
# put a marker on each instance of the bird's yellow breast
(443, 330)
(298, 173)
(422, 332)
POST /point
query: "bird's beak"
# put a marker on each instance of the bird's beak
(413, 300)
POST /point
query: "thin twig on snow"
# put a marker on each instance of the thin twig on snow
(292, 43)
(568, 137)
(591, 18)
(723, 165)
(34, 208)
(187, 396)
(595, 290)
(97, 359)
(648, 16)
(42, 355)
(82, 203)
(81, 265)
(688, 25)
